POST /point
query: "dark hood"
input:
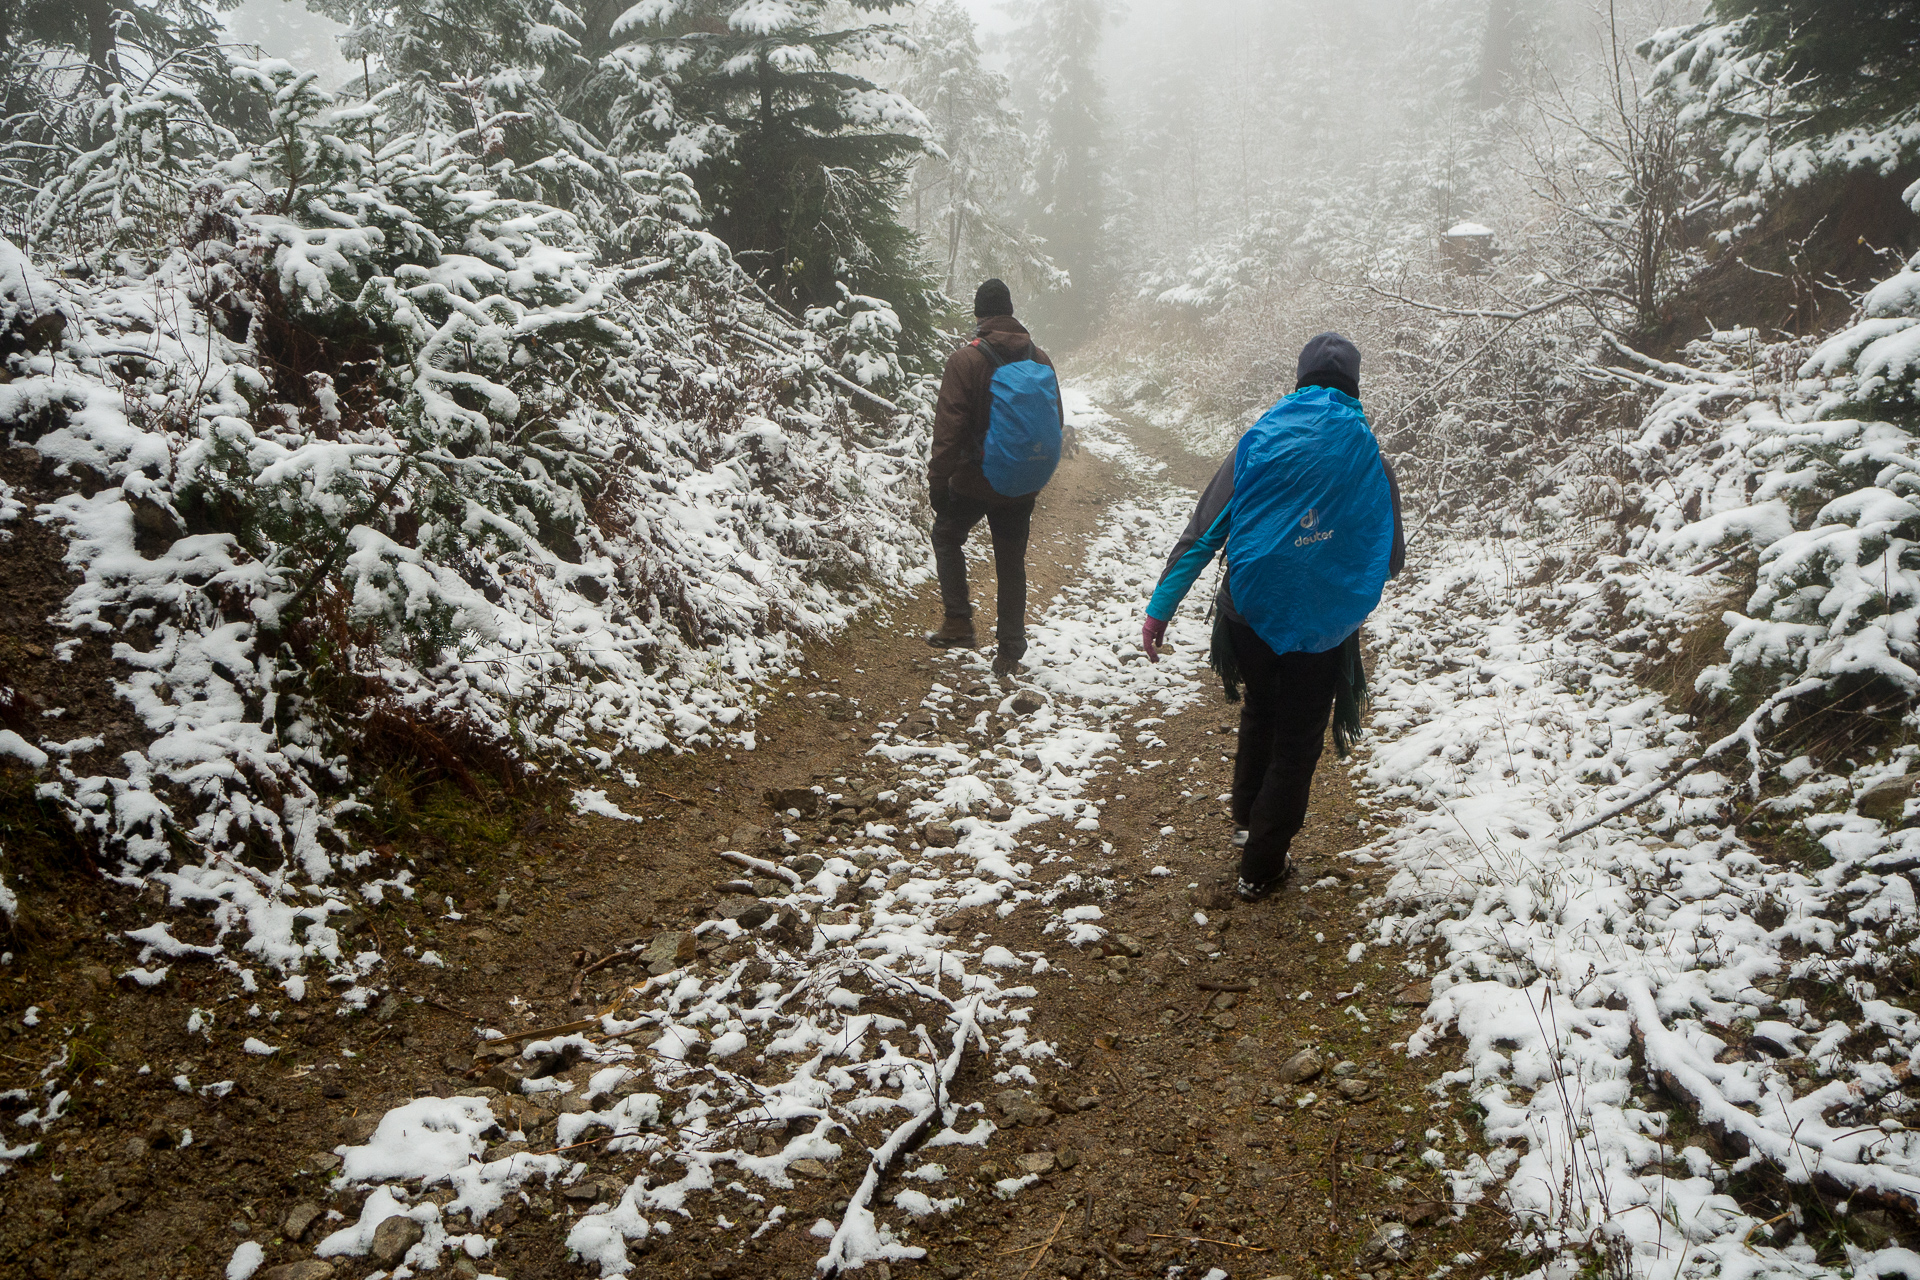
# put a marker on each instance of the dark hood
(1008, 336)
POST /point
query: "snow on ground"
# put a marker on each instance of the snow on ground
(1658, 937)
(833, 1031)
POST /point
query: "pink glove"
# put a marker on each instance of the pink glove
(1152, 632)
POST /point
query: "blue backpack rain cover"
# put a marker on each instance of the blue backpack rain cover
(1312, 522)
(1022, 445)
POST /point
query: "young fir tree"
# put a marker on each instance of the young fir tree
(961, 197)
(800, 162)
(1799, 86)
(1057, 73)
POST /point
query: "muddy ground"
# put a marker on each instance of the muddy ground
(1176, 1140)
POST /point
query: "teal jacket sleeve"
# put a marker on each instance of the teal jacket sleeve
(1205, 534)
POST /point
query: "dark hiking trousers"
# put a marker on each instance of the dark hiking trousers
(1283, 721)
(1009, 523)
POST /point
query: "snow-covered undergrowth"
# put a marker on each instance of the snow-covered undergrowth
(830, 1016)
(1675, 1015)
(412, 459)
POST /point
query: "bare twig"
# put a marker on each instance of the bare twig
(1228, 1244)
(1048, 1245)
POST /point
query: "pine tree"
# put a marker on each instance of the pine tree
(1058, 73)
(1852, 62)
(961, 198)
(800, 162)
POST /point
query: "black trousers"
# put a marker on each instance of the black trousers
(1010, 524)
(1283, 723)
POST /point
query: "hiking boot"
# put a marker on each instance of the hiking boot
(1006, 661)
(955, 633)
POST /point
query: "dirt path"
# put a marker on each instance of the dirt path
(1164, 1131)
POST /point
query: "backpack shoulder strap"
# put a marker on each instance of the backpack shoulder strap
(991, 352)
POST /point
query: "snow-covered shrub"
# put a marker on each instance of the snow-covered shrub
(379, 442)
(1810, 475)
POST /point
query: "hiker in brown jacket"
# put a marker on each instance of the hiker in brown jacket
(958, 488)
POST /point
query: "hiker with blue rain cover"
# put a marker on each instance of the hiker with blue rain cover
(1309, 513)
(996, 441)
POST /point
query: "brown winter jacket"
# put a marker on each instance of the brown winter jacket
(960, 414)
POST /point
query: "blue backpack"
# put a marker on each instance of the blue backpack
(1312, 523)
(1022, 443)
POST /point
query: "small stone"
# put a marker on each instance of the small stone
(393, 1237)
(307, 1269)
(1226, 1021)
(805, 799)
(98, 977)
(1346, 1067)
(1391, 1243)
(389, 1008)
(1420, 992)
(1088, 1103)
(300, 1220)
(457, 1064)
(1073, 1268)
(1026, 702)
(333, 1089)
(1067, 1159)
(502, 901)
(1130, 944)
(1301, 1067)
(999, 813)
(670, 948)
(1036, 1162)
(1021, 1107)
(940, 835)
(1886, 800)
(584, 1192)
(1354, 1090)
(810, 1168)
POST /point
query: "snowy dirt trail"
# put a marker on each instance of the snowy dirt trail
(939, 994)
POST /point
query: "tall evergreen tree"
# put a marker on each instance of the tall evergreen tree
(961, 199)
(800, 161)
(1058, 73)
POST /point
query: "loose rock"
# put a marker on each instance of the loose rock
(1021, 1107)
(1391, 1243)
(307, 1269)
(300, 1220)
(810, 1169)
(393, 1237)
(940, 835)
(1026, 702)
(1036, 1162)
(1301, 1067)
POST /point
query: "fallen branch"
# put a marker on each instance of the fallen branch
(1234, 987)
(858, 1218)
(1745, 733)
(1815, 1161)
(774, 869)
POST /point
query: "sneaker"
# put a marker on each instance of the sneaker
(955, 633)
(1248, 891)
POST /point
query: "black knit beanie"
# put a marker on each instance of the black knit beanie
(1329, 360)
(992, 299)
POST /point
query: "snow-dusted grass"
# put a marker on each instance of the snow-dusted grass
(1659, 942)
